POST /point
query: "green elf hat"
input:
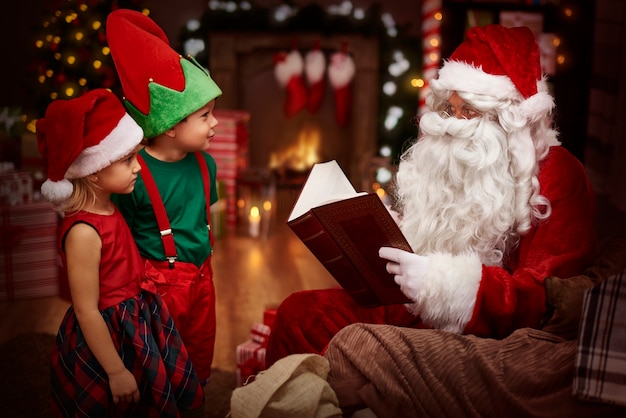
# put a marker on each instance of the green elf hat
(161, 87)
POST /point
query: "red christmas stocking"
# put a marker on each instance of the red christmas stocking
(340, 74)
(288, 68)
(314, 66)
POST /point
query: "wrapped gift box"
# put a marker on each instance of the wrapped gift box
(251, 354)
(269, 316)
(229, 147)
(250, 361)
(28, 251)
(16, 187)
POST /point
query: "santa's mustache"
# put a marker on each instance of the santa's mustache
(466, 134)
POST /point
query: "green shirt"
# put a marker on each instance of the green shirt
(181, 189)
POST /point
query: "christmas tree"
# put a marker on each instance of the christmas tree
(71, 55)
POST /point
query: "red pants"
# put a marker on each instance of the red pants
(189, 294)
(306, 321)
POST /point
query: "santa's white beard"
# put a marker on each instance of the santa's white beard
(455, 191)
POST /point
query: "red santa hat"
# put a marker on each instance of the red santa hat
(81, 136)
(161, 87)
(501, 62)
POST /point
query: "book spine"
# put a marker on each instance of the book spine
(312, 233)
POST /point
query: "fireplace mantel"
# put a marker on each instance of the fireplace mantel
(242, 65)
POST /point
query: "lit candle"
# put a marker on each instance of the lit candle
(254, 222)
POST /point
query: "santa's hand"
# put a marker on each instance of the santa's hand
(408, 269)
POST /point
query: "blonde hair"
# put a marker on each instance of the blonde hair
(83, 196)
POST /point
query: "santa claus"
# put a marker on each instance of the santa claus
(488, 199)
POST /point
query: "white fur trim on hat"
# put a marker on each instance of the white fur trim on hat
(120, 142)
(460, 76)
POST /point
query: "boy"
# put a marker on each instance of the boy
(172, 99)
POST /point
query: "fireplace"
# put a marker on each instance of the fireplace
(242, 65)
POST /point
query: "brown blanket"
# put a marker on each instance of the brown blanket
(400, 372)
(428, 373)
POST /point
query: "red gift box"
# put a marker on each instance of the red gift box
(251, 354)
(260, 333)
(29, 265)
(269, 316)
(229, 148)
(250, 361)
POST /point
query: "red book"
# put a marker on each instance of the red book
(344, 230)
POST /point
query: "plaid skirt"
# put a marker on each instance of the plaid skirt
(148, 343)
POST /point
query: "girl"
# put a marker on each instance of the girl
(118, 352)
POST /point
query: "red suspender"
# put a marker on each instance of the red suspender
(159, 209)
(159, 212)
(207, 192)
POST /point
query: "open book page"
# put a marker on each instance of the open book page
(326, 183)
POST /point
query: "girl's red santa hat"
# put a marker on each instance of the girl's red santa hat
(81, 136)
(500, 62)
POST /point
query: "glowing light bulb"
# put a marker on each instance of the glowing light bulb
(417, 82)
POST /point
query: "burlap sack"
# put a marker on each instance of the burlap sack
(294, 386)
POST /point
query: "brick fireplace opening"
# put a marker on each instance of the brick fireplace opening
(242, 65)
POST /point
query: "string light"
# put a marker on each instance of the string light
(417, 82)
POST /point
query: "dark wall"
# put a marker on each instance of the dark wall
(571, 83)
(19, 18)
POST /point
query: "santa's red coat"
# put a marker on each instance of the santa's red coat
(507, 298)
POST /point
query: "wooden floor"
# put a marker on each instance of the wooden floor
(250, 274)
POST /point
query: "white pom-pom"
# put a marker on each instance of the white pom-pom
(537, 106)
(57, 191)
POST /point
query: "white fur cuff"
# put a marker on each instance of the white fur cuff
(447, 299)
